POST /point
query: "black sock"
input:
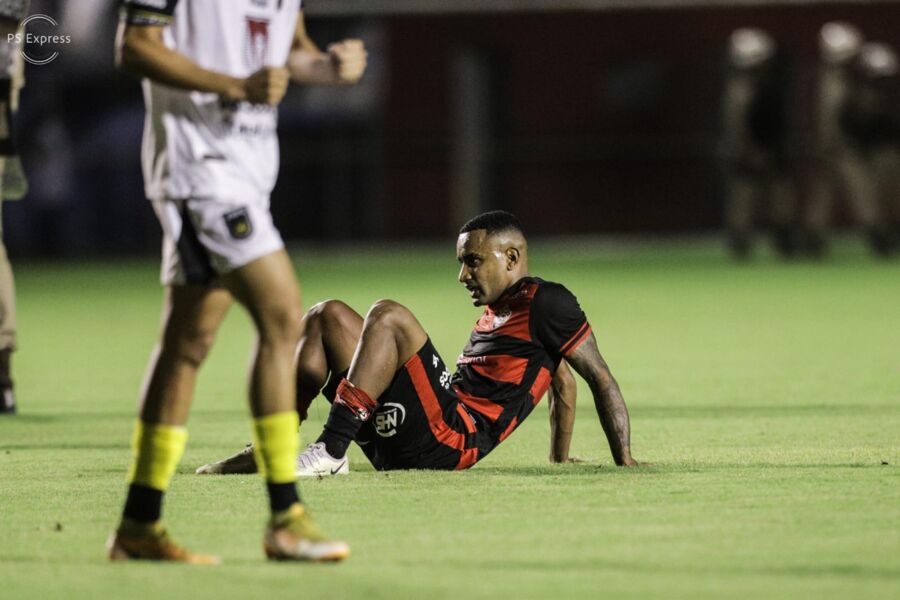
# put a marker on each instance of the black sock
(144, 504)
(340, 429)
(282, 495)
(5, 379)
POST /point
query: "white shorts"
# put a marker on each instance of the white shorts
(204, 238)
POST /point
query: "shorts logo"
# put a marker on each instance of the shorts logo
(239, 225)
(388, 418)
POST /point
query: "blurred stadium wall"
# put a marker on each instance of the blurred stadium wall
(583, 116)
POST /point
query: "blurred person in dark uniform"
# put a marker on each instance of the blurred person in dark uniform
(870, 163)
(839, 45)
(12, 12)
(755, 136)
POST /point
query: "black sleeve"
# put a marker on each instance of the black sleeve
(147, 12)
(557, 320)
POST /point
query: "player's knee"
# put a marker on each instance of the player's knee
(388, 313)
(328, 314)
(281, 324)
(190, 345)
(564, 382)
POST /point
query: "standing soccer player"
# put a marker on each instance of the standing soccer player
(213, 74)
(12, 12)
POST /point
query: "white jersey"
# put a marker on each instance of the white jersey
(200, 145)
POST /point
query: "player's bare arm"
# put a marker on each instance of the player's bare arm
(140, 50)
(611, 409)
(343, 63)
(561, 398)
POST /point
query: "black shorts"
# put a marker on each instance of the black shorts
(419, 423)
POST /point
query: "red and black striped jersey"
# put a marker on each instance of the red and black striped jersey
(512, 354)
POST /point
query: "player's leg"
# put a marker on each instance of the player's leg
(863, 195)
(418, 423)
(7, 322)
(267, 287)
(817, 210)
(782, 211)
(740, 210)
(391, 335)
(330, 333)
(888, 166)
(191, 316)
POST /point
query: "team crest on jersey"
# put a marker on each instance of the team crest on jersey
(256, 45)
(501, 318)
(388, 419)
(239, 225)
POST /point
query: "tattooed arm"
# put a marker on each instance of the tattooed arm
(588, 363)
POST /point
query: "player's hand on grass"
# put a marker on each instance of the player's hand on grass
(266, 86)
(348, 59)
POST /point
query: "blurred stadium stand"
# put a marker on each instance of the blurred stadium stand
(583, 116)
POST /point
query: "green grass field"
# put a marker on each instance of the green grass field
(767, 397)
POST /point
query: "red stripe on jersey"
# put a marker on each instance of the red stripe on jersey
(501, 367)
(489, 409)
(441, 430)
(569, 347)
(509, 429)
(540, 385)
(469, 457)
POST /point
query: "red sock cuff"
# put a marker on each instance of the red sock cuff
(355, 399)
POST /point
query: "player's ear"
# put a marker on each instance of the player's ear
(512, 258)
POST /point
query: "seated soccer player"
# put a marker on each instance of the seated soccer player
(393, 395)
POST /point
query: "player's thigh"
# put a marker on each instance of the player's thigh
(192, 315)
(269, 290)
(408, 333)
(338, 327)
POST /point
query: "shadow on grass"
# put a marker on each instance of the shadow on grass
(66, 417)
(719, 411)
(65, 446)
(595, 565)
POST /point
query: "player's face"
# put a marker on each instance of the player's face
(484, 267)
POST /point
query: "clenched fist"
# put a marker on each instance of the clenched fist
(266, 86)
(348, 58)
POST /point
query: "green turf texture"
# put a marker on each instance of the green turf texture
(766, 395)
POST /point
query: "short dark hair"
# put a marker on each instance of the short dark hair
(492, 222)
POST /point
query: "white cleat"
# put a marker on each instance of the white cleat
(241, 463)
(316, 462)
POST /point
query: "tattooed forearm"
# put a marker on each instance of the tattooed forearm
(607, 398)
(614, 418)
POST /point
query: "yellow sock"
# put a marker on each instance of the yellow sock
(277, 444)
(157, 449)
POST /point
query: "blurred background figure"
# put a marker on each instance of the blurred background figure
(759, 187)
(867, 162)
(839, 45)
(12, 185)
